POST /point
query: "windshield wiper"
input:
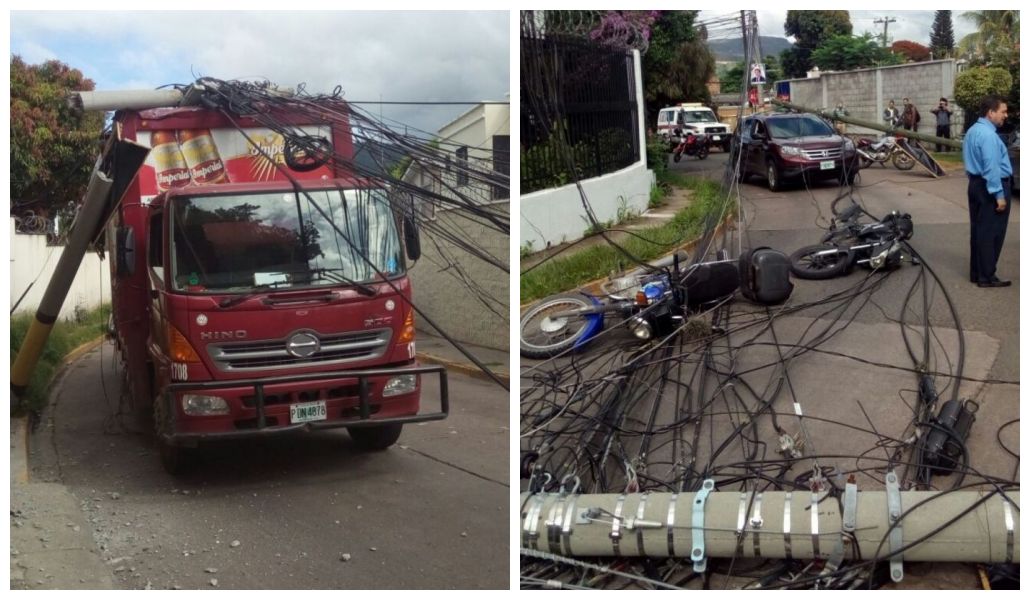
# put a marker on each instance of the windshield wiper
(255, 291)
(331, 274)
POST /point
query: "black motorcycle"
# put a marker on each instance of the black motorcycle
(850, 242)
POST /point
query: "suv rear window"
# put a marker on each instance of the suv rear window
(791, 127)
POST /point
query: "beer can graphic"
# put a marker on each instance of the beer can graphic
(170, 166)
(202, 158)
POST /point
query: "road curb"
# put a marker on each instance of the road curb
(464, 368)
(79, 351)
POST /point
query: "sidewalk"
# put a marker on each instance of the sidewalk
(436, 350)
(52, 544)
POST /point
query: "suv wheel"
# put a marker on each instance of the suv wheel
(772, 175)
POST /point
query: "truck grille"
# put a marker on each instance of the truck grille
(717, 129)
(822, 154)
(334, 348)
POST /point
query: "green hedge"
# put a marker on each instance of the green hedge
(65, 336)
(567, 272)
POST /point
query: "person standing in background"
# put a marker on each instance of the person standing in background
(943, 114)
(910, 116)
(890, 115)
(990, 190)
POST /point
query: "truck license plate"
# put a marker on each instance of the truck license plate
(826, 165)
(307, 411)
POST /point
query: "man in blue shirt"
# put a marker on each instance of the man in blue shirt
(990, 190)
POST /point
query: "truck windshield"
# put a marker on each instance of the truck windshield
(791, 127)
(697, 116)
(280, 240)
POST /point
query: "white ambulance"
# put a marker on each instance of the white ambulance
(692, 117)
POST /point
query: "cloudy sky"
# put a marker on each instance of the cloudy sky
(911, 25)
(399, 56)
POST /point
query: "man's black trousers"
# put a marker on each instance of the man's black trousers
(986, 228)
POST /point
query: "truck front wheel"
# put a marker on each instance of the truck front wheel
(379, 437)
(176, 460)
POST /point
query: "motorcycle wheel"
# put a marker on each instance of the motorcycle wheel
(863, 162)
(540, 336)
(903, 161)
(676, 156)
(702, 153)
(808, 263)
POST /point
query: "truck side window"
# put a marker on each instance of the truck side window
(155, 257)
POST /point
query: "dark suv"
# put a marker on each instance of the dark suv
(784, 146)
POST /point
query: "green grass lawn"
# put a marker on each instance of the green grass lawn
(65, 336)
(567, 272)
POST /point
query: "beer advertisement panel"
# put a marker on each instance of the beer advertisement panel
(211, 156)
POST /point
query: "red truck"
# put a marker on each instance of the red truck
(252, 298)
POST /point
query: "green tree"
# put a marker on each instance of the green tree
(973, 84)
(53, 148)
(846, 52)
(942, 37)
(678, 64)
(810, 28)
(996, 39)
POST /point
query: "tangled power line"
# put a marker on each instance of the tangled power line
(722, 400)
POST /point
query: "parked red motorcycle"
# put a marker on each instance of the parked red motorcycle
(692, 144)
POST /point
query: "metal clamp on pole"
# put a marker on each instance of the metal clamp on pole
(741, 520)
(670, 523)
(1010, 530)
(616, 533)
(559, 520)
(640, 520)
(847, 526)
(536, 504)
(895, 539)
(757, 521)
(786, 526)
(697, 553)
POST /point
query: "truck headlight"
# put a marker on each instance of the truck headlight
(790, 151)
(197, 405)
(402, 384)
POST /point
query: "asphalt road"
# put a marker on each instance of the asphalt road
(304, 512)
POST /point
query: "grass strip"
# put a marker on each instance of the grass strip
(568, 272)
(66, 335)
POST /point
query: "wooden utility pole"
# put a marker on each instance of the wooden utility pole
(886, 21)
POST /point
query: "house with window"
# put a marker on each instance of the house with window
(466, 293)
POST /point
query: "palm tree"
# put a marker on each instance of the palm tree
(996, 39)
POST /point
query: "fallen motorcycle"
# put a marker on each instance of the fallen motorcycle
(876, 245)
(882, 150)
(650, 301)
(692, 144)
(653, 301)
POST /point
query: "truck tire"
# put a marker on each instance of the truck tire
(176, 460)
(379, 437)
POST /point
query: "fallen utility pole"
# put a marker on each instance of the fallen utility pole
(799, 524)
(876, 125)
(103, 193)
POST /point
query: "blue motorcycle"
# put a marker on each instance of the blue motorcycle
(651, 302)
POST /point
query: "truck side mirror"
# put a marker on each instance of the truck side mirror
(412, 242)
(125, 253)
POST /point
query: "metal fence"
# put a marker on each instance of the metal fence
(586, 92)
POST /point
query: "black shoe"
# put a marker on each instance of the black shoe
(994, 283)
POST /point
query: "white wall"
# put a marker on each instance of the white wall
(31, 257)
(556, 215)
(553, 216)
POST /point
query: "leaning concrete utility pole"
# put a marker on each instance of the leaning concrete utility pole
(887, 524)
(113, 172)
(828, 114)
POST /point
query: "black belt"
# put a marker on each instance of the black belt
(972, 176)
